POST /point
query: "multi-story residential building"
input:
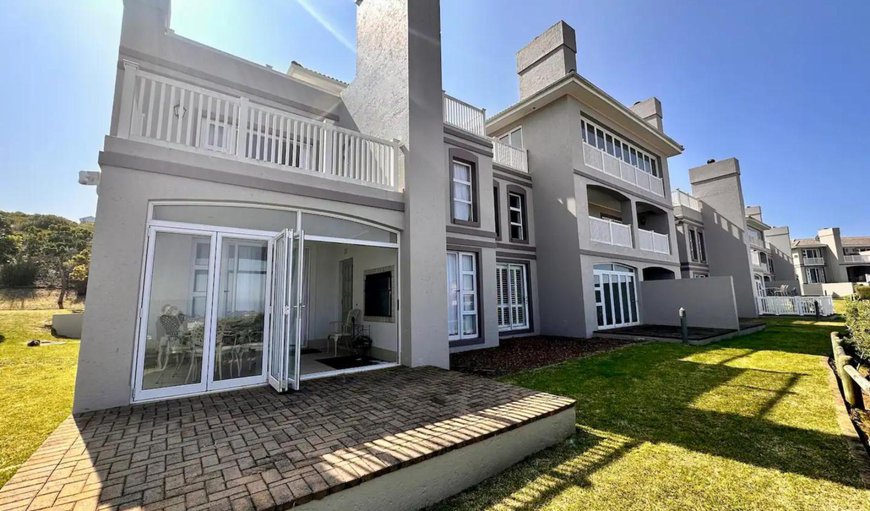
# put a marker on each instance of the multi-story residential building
(770, 255)
(830, 258)
(255, 226)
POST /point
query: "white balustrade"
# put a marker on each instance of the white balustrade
(857, 258)
(795, 305)
(602, 161)
(681, 198)
(464, 116)
(510, 156)
(653, 242)
(811, 261)
(184, 116)
(610, 232)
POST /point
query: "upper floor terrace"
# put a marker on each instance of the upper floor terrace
(176, 113)
(472, 119)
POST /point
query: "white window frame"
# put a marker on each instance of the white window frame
(699, 275)
(462, 292)
(521, 225)
(620, 148)
(621, 275)
(508, 137)
(470, 185)
(819, 277)
(508, 304)
(693, 245)
(702, 246)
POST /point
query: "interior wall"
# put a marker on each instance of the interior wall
(324, 305)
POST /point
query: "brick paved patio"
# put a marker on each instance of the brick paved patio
(256, 449)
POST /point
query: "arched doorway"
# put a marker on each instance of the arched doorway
(658, 273)
(615, 295)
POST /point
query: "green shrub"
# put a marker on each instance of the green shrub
(862, 292)
(858, 322)
(19, 274)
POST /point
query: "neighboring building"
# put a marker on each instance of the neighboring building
(252, 222)
(713, 229)
(770, 255)
(87, 220)
(830, 258)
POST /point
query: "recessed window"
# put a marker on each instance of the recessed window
(517, 216)
(463, 192)
(513, 138)
(496, 206)
(378, 292)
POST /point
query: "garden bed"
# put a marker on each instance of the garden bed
(521, 353)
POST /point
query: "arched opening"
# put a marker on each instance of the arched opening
(658, 273)
(609, 216)
(615, 295)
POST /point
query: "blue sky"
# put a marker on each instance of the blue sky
(781, 85)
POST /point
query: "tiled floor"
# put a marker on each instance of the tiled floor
(256, 449)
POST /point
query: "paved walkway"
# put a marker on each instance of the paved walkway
(256, 449)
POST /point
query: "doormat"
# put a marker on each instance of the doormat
(347, 362)
(310, 351)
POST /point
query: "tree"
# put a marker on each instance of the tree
(8, 245)
(60, 246)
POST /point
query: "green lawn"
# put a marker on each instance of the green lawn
(36, 386)
(745, 424)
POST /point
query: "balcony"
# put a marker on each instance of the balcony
(610, 232)
(459, 114)
(510, 156)
(610, 165)
(856, 258)
(757, 242)
(814, 261)
(683, 199)
(652, 241)
(174, 114)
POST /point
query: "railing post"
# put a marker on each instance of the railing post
(242, 133)
(327, 149)
(128, 85)
(397, 173)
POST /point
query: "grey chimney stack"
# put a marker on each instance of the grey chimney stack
(547, 59)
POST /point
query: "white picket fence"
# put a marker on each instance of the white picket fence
(795, 305)
(180, 115)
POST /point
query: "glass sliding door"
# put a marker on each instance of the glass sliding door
(462, 316)
(175, 316)
(240, 311)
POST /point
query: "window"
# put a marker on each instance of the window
(463, 192)
(618, 148)
(513, 138)
(497, 207)
(693, 245)
(462, 320)
(199, 284)
(517, 216)
(512, 296)
(378, 291)
(812, 253)
(696, 275)
(702, 247)
(815, 275)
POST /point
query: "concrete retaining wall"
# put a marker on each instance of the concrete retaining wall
(709, 302)
(67, 325)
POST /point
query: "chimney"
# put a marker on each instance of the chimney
(548, 58)
(147, 14)
(754, 212)
(650, 110)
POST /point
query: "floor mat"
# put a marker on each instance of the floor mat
(347, 362)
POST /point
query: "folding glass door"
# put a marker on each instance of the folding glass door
(287, 304)
(615, 296)
(203, 318)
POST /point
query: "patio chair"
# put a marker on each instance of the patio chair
(345, 330)
(170, 343)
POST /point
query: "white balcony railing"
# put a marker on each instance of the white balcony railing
(653, 242)
(459, 114)
(681, 198)
(175, 114)
(610, 232)
(811, 261)
(857, 258)
(795, 305)
(604, 162)
(510, 156)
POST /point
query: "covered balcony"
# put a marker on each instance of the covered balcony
(176, 114)
(653, 228)
(607, 153)
(609, 216)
